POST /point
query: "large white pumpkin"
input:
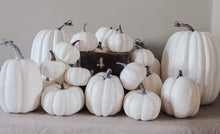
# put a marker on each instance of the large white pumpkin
(46, 40)
(197, 55)
(104, 94)
(62, 99)
(180, 97)
(142, 105)
(20, 84)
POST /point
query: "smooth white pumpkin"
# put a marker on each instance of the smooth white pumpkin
(53, 69)
(142, 105)
(143, 56)
(152, 82)
(20, 84)
(197, 55)
(120, 42)
(66, 52)
(46, 40)
(87, 40)
(104, 94)
(180, 97)
(132, 75)
(62, 100)
(155, 68)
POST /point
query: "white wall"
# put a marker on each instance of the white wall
(216, 19)
(151, 20)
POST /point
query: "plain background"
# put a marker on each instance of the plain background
(150, 20)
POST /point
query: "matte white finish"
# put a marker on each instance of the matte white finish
(20, 86)
(67, 53)
(155, 67)
(143, 56)
(142, 107)
(197, 55)
(47, 40)
(180, 97)
(132, 75)
(77, 76)
(104, 96)
(62, 102)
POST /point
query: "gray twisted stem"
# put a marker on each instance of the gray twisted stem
(180, 74)
(179, 24)
(84, 27)
(143, 91)
(67, 23)
(107, 74)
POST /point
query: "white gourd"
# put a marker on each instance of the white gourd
(20, 83)
(142, 105)
(87, 40)
(180, 97)
(62, 100)
(47, 40)
(104, 94)
(143, 56)
(196, 54)
(155, 68)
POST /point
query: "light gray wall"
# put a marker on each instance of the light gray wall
(216, 19)
(151, 20)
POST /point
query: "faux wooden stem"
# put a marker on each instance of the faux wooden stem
(143, 91)
(139, 43)
(178, 24)
(67, 23)
(122, 64)
(100, 46)
(17, 51)
(62, 86)
(111, 28)
(148, 70)
(84, 27)
(180, 74)
(53, 58)
(74, 43)
(107, 74)
(119, 28)
(47, 79)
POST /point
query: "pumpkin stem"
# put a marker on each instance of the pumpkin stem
(67, 23)
(139, 43)
(100, 45)
(74, 43)
(47, 79)
(122, 64)
(62, 86)
(178, 24)
(148, 70)
(78, 63)
(180, 74)
(107, 74)
(84, 27)
(143, 91)
(11, 44)
(119, 28)
(53, 58)
(71, 65)
(111, 28)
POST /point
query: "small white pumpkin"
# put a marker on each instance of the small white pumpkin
(143, 56)
(180, 97)
(87, 40)
(77, 76)
(132, 75)
(155, 68)
(20, 83)
(142, 105)
(46, 40)
(67, 52)
(104, 94)
(120, 42)
(152, 82)
(53, 69)
(62, 99)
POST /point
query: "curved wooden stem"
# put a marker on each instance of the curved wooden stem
(178, 24)
(180, 74)
(119, 28)
(67, 23)
(53, 58)
(74, 43)
(139, 43)
(148, 70)
(122, 64)
(62, 86)
(84, 27)
(100, 45)
(107, 74)
(143, 91)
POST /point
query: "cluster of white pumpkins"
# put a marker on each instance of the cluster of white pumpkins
(194, 54)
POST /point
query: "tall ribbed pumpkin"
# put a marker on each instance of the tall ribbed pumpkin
(197, 54)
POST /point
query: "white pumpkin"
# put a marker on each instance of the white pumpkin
(104, 94)
(143, 56)
(142, 105)
(77, 76)
(180, 97)
(152, 82)
(20, 83)
(132, 75)
(62, 100)
(120, 42)
(197, 54)
(53, 69)
(46, 40)
(87, 40)
(67, 52)
(155, 68)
